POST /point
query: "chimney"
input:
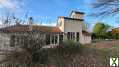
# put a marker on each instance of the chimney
(30, 21)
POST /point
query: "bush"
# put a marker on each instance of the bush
(67, 49)
(71, 44)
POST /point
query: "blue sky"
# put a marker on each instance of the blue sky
(47, 11)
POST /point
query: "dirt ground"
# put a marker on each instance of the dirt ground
(91, 55)
(95, 55)
(105, 44)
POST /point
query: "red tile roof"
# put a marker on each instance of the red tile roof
(49, 29)
(15, 28)
(56, 29)
(25, 28)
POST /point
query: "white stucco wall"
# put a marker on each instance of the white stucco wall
(85, 39)
(4, 45)
(69, 25)
(60, 23)
(72, 25)
(4, 41)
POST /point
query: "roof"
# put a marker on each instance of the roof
(115, 28)
(25, 28)
(71, 18)
(86, 33)
(77, 12)
(49, 29)
(15, 28)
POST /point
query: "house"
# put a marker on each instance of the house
(67, 28)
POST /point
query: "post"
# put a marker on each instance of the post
(58, 39)
(75, 37)
(54, 38)
(50, 39)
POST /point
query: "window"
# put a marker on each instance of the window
(77, 36)
(56, 38)
(68, 35)
(52, 39)
(17, 40)
(12, 41)
(61, 39)
(71, 35)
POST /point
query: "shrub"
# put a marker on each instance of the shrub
(71, 44)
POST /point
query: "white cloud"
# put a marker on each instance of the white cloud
(47, 24)
(12, 5)
(51, 24)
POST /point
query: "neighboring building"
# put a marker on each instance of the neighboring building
(115, 30)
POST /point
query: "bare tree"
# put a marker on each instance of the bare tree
(106, 7)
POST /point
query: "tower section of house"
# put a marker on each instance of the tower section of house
(74, 27)
(76, 15)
